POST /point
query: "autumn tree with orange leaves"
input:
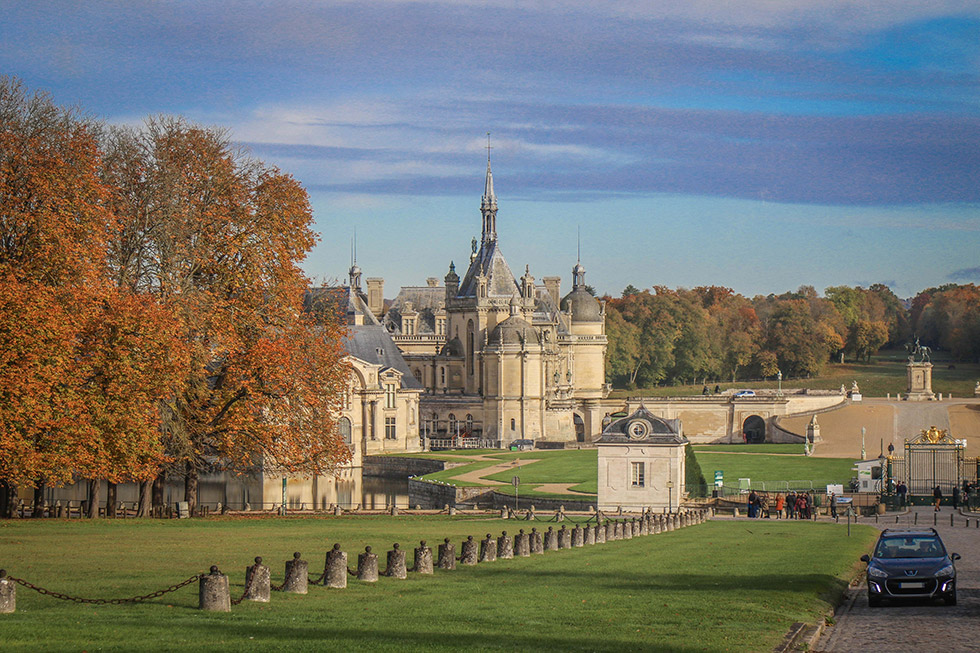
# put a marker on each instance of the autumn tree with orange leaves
(217, 239)
(151, 308)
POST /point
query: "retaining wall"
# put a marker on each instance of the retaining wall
(400, 467)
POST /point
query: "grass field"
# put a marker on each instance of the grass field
(762, 463)
(720, 586)
(886, 373)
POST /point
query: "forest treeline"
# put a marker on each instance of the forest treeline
(709, 333)
(151, 307)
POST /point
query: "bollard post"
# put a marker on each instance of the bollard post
(338, 511)
(396, 563)
(367, 566)
(505, 547)
(578, 537)
(335, 568)
(935, 517)
(522, 544)
(423, 558)
(258, 581)
(564, 538)
(447, 555)
(610, 531)
(503, 512)
(469, 554)
(627, 531)
(589, 533)
(950, 519)
(550, 540)
(537, 542)
(8, 593)
(297, 575)
(488, 549)
(618, 530)
(916, 518)
(452, 511)
(600, 533)
(213, 594)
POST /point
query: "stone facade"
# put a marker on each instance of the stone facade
(641, 463)
(501, 358)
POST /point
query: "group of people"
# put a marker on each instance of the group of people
(794, 505)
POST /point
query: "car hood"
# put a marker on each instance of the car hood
(900, 566)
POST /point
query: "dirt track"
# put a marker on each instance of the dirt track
(890, 422)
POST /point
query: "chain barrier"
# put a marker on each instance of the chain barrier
(248, 588)
(77, 599)
(318, 579)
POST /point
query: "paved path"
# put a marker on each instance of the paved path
(478, 475)
(924, 627)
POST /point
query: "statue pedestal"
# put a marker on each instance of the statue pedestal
(919, 382)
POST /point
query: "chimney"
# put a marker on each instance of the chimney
(376, 295)
(553, 285)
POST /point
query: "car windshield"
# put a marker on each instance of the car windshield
(910, 546)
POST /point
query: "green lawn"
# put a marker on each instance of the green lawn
(886, 373)
(789, 449)
(720, 586)
(765, 467)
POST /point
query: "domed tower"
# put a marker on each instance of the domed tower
(514, 381)
(586, 342)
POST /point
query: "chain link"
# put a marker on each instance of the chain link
(77, 599)
(248, 587)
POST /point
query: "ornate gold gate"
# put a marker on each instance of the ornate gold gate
(933, 458)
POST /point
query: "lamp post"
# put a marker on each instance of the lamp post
(779, 377)
(670, 496)
(863, 455)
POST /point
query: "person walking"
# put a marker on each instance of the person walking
(790, 505)
(902, 491)
(753, 499)
(780, 503)
(937, 494)
(833, 506)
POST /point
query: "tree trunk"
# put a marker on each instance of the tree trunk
(190, 488)
(158, 484)
(94, 489)
(7, 495)
(110, 500)
(146, 499)
(38, 510)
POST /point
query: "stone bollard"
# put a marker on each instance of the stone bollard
(59, 510)
(503, 513)
(617, 530)
(636, 527)
(447, 555)
(645, 528)
(600, 533)
(550, 540)
(452, 511)
(578, 537)
(8, 594)
(505, 547)
(214, 595)
(469, 555)
(564, 538)
(661, 524)
(537, 542)
(627, 530)
(610, 531)
(423, 558)
(258, 581)
(297, 575)
(393, 511)
(531, 515)
(488, 549)
(335, 568)
(338, 511)
(396, 563)
(522, 544)
(560, 514)
(367, 566)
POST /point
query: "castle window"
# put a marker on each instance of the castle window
(637, 475)
(390, 428)
(513, 424)
(389, 395)
(469, 423)
(442, 375)
(418, 375)
(345, 430)
(452, 423)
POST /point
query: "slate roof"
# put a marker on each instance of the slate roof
(425, 300)
(659, 430)
(373, 344)
(500, 280)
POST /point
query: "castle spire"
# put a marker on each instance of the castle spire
(488, 204)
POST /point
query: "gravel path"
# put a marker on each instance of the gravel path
(923, 627)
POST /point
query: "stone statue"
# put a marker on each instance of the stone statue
(843, 391)
(854, 387)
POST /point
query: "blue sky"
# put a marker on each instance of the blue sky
(759, 144)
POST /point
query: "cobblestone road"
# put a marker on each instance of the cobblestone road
(923, 627)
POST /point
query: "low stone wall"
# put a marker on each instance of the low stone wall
(399, 467)
(501, 500)
(432, 495)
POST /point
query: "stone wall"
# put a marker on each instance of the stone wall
(433, 496)
(541, 504)
(399, 467)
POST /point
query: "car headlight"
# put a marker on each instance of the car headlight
(874, 572)
(945, 571)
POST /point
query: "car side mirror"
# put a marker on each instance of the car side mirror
(867, 558)
(954, 556)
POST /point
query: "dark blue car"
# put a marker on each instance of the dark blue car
(911, 564)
